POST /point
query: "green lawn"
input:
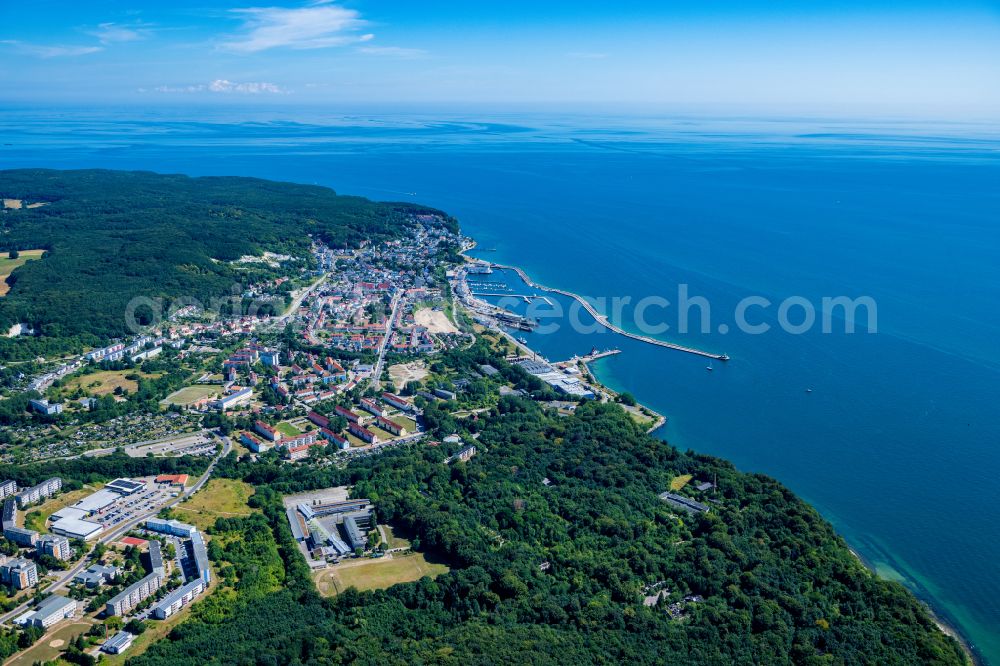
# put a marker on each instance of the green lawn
(218, 498)
(287, 429)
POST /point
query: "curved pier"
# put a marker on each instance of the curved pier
(601, 319)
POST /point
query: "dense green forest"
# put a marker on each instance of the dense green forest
(109, 236)
(555, 573)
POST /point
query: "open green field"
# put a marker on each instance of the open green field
(190, 394)
(8, 265)
(50, 645)
(287, 429)
(106, 381)
(406, 422)
(35, 517)
(219, 498)
(377, 574)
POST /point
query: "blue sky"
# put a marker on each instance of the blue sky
(899, 57)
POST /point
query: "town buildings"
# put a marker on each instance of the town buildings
(19, 573)
(134, 594)
(39, 492)
(51, 609)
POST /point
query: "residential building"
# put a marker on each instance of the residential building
(396, 401)
(45, 407)
(200, 554)
(233, 399)
(55, 545)
(390, 426)
(133, 595)
(266, 431)
(177, 599)
(8, 488)
(19, 573)
(20, 536)
(39, 492)
(362, 433)
(9, 513)
(155, 555)
(372, 407)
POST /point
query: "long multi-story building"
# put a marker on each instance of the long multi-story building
(8, 488)
(173, 527)
(56, 546)
(134, 594)
(177, 599)
(20, 536)
(37, 493)
(19, 572)
(9, 513)
(200, 554)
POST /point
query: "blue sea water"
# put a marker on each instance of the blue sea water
(897, 444)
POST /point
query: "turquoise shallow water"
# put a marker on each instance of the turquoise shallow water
(897, 444)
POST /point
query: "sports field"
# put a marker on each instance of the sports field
(190, 394)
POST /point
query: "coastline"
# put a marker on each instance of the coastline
(942, 625)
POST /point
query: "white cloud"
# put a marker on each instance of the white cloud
(110, 33)
(225, 86)
(316, 26)
(393, 52)
(51, 50)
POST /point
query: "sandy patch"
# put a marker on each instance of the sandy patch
(12, 203)
(436, 321)
(402, 373)
(57, 643)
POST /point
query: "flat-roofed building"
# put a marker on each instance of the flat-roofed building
(174, 527)
(355, 537)
(39, 492)
(118, 643)
(49, 611)
(69, 512)
(77, 529)
(9, 513)
(20, 536)
(200, 554)
(156, 557)
(55, 545)
(126, 486)
(97, 501)
(133, 595)
(177, 599)
(8, 488)
(19, 572)
(96, 575)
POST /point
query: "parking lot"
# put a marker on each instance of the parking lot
(197, 444)
(145, 501)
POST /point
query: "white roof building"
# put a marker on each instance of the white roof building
(75, 528)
